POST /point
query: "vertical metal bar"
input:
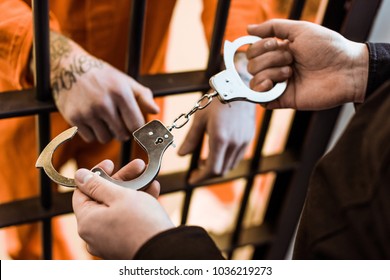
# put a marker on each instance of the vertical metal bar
(134, 56)
(335, 14)
(43, 126)
(41, 49)
(136, 30)
(255, 162)
(359, 21)
(297, 9)
(213, 65)
(42, 82)
(221, 17)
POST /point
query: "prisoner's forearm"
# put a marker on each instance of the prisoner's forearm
(68, 62)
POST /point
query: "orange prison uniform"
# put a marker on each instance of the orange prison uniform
(99, 26)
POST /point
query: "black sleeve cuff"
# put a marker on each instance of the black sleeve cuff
(379, 66)
(181, 243)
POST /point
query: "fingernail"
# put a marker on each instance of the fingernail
(285, 70)
(269, 45)
(83, 175)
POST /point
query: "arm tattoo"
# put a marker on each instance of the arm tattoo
(59, 48)
(63, 77)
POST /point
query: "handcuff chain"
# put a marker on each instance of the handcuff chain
(185, 117)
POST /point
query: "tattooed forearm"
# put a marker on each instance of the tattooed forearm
(67, 65)
(59, 48)
(65, 77)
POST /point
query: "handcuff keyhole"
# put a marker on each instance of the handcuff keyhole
(159, 140)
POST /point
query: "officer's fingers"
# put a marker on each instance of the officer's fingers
(133, 170)
(96, 187)
(130, 171)
(265, 80)
(280, 28)
(107, 165)
(261, 47)
(153, 189)
(273, 59)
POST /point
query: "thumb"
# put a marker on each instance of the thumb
(96, 187)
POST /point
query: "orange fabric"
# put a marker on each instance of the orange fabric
(100, 27)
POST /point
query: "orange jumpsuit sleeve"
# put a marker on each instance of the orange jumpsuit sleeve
(16, 33)
(241, 13)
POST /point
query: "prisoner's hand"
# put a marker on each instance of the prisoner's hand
(115, 222)
(94, 96)
(327, 70)
(229, 127)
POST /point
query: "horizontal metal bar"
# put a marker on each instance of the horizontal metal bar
(174, 83)
(25, 103)
(285, 161)
(30, 210)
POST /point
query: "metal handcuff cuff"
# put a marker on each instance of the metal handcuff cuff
(154, 137)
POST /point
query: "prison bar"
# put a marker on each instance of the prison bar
(42, 86)
(213, 65)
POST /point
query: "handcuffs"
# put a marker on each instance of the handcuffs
(154, 137)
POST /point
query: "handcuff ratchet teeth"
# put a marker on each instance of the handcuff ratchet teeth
(153, 137)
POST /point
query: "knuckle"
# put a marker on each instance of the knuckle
(76, 117)
(73, 118)
(93, 187)
(220, 138)
(99, 106)
(148, 92)
(119, 95)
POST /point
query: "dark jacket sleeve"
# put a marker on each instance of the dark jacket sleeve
(379, 66)
(346, 212)
(181, 243)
